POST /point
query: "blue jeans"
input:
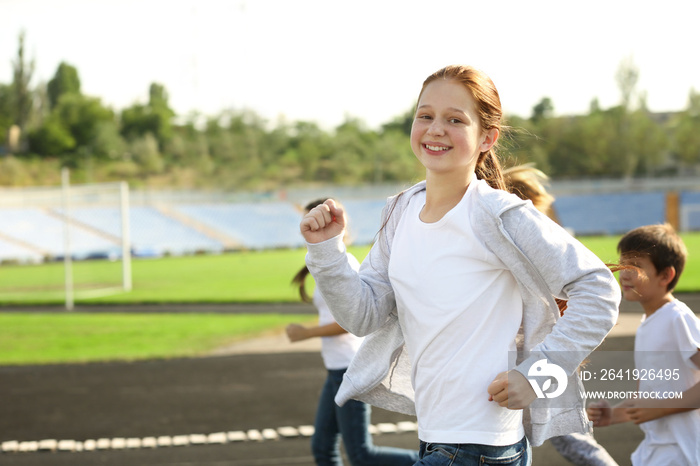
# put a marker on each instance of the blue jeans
(467, 454)
(350, 423)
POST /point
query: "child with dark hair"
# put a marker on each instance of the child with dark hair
(667, 342)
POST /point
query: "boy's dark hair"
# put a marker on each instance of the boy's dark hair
(660, 243)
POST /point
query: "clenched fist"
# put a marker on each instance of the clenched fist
(323, 222)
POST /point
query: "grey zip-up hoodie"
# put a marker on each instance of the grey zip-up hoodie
(546, 261)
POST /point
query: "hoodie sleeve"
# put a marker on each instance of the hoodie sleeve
(359, 301)
(568, 270)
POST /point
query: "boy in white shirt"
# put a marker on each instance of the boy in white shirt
(667, 342)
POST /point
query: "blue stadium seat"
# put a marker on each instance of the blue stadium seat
(693, 217)
(152, 232)
(46, 233)
(364, 219)
(253, 225)
(13, 252)
(608, 214)
(263, 225)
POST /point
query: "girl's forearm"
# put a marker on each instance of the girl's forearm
(329, 330)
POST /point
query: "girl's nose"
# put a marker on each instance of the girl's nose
(436, 128)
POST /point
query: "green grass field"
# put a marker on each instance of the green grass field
(243, 277)
(39, 338)
(246, 277)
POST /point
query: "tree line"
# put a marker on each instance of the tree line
(53, 124)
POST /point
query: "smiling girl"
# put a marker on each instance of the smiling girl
(457, 295)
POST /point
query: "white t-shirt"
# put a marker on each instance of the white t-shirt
(666, 340)
(337, 351)
(460, 310)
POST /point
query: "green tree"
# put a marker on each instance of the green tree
(158, 102)
(394, 160)
(686, 132)
(626, 77)
(543, 109)
(308, 147)
(82, 116)
(6, 112)
(146, 154)
(154, 118)
(64, 81)
(107, 142)
(22, 76)
(52, 138)
(628, 157)
(648, 140)
(402, 123)
(354, 159)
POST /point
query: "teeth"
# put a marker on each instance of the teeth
(435, 148)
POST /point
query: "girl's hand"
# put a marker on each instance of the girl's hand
(296, 332)
(511, 390)
(600, 413)
(323, 222)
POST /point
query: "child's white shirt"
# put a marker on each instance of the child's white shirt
(460, 310)
(666, 340)
(338, 350)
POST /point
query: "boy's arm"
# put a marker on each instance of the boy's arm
(297, 332)
(648, 410)
(602, 414)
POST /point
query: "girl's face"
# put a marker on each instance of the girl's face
(446, 135)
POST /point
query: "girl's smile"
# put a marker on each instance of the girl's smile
(436, 148)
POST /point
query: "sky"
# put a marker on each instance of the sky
(326, 60)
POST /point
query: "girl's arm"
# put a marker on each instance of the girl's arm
(297, 332)
(569, 271)
(359, 301)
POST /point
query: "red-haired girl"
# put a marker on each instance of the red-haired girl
(457, 295)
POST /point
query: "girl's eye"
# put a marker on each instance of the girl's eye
(455, 120)
(423, 117)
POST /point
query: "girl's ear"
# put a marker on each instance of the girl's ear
(489, 140)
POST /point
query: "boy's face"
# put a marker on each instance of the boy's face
(643, 284)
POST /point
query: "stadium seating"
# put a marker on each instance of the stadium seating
(691, 217)
(608, 214)
(30, 234)
(45, 232)
(255, 225)
(364, 219)
(152, 232)
(10, 252)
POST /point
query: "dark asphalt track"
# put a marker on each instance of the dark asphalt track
(192, 396)
(198, 396)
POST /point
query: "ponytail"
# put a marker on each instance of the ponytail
(489, 169)
(300, 280)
